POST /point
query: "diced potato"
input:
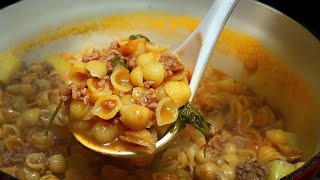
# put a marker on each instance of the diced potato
(59, 64)
(10, 64)
(277, 136)
(278, 169)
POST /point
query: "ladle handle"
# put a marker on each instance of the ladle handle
(209, 30)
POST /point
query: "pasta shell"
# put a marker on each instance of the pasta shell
(78, 110)
(178, 91)
(161, 92)
(105, 132)
(79, 74)
(142, 139)
(154, 71)
(96, 68)
(13, 142)
(36, 160)
(166, 112)
(95, 91)
(156, 47)
(135, 117)
(136, 76)
(146, 58)
(120, 80)
(107, 107)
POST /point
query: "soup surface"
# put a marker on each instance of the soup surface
(248, 137)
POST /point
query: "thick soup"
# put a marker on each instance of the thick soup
(248, 139)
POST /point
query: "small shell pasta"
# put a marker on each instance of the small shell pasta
(136, 76)
(137, 92)
(120, 80)
(96, 68)
(36, 160)
(78, 110)
(79, 126)
(57, 163)
(107, 107)
(9, 130)
(154, 71)
(166, 112)
(31, 174)
(135, 47)
(31, 117)
(41, 141)
(127, 100)
(229, 148)
(135, 117)
(247, 154)
(49, 177)
(206, 171)
(146, 58)
(105, 132)
(13, 142)
(231, 158)
(141, 138)
(79, 74)
(178, 91)
(178, 76)
(155, 47)
(95, 90)
(161, 92)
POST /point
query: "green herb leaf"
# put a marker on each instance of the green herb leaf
(188, 114)
(54, 116)
(117, 61)
(138, 36)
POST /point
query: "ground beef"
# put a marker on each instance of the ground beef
(6, 99)
(216, 148)
(17, 155)
(103, 81)
(149, 99)
(75, 92)
(109, 104)
(131, 61)
(94, 55)
(148, 84)
(114, 45)
(171, 63)
(251, 170)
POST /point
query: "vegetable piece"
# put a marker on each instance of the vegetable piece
(10, 64)
(58, 63)
(188, 114)
(278, 169)
(138, 36)
(118, 62)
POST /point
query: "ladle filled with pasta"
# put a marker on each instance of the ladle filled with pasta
(131, 98)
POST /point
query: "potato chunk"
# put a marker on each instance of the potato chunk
(10, 64)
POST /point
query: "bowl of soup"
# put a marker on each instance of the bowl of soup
(260, 92)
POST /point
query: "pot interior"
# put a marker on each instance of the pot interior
(284, 53)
